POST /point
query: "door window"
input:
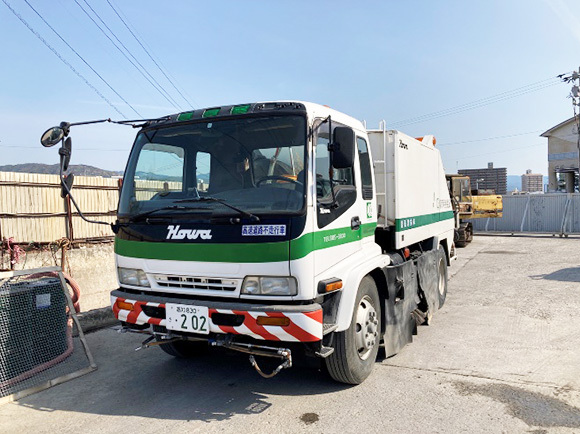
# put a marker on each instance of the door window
(365, 168)
(342, 181)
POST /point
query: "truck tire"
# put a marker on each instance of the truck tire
(469, 233)
(460, 237)
(355, 349)
(441, 275)
(185, 349)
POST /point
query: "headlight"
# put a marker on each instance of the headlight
(254, 285)
(132, 276)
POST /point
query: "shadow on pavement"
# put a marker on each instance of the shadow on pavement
(535, 409)
(563, 275)
(212, 387)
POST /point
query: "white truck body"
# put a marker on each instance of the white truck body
(412, 194)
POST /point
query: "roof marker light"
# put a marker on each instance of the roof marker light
(240, 109)
(185, 116)
(211, 112)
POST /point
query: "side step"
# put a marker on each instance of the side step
(325, 352)
(328, 328)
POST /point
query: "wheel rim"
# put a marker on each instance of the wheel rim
(441, 286)
(366, 327)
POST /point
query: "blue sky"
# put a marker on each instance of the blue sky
(372, 60)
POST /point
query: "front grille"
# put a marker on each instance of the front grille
(186, 282)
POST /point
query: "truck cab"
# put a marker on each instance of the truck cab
(256, 224)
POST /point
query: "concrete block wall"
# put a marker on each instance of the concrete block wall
(92, 267)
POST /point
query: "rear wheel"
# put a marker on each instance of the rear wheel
(184, 349)
(462, 235)
(441, 275)
(355, 349)
(469, 233)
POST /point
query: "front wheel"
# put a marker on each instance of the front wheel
(355, 349)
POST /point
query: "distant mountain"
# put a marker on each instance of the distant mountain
(53, 169)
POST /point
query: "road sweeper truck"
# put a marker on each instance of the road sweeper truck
(275, 227)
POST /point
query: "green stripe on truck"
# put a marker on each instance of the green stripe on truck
(324, 239)
(243, 252)
(407, 223)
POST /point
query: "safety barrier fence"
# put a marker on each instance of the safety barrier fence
(556, 213)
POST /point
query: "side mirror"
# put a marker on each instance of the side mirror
(65, 152)
(52, 136)
(343, 148)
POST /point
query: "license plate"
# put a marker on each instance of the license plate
(187, 318)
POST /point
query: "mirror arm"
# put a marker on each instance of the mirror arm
(67, 190)
(331, 147)
(65, 127)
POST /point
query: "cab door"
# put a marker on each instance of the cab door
(338, 227)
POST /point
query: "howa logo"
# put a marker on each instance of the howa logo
(174, 233)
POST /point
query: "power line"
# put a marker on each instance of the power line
(479, 101)
(438, 145)
(62, 59)
(125, 55)
(158, 59)
(501, 152)
(149, 54)
(81, 57)
(176, 104)
(533, 87)
(471, 106)
(489, 138)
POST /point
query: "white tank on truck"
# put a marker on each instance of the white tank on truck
(275, 227)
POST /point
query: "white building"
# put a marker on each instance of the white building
(562, 154)
(532, 182)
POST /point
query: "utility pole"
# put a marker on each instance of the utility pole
(574, 78)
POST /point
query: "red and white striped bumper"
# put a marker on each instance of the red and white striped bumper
(303, 326)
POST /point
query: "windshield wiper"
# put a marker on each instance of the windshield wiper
(164, 208)
(247, 214)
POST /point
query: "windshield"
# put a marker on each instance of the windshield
(255, 164)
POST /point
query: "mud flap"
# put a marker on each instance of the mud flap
(402, 286)
(428, 281)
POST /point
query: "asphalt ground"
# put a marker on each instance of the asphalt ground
(502, 355)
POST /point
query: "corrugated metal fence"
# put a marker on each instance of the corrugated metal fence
(556, 213)
(32, 210)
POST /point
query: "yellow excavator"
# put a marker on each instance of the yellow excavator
(468, 204)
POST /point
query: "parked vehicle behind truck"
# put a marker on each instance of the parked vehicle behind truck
(281, 226)
(469, 204)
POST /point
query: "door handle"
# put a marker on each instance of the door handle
(355, 223)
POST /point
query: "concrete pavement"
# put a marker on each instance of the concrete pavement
(501, 356)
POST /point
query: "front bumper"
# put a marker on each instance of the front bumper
(305, 320)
